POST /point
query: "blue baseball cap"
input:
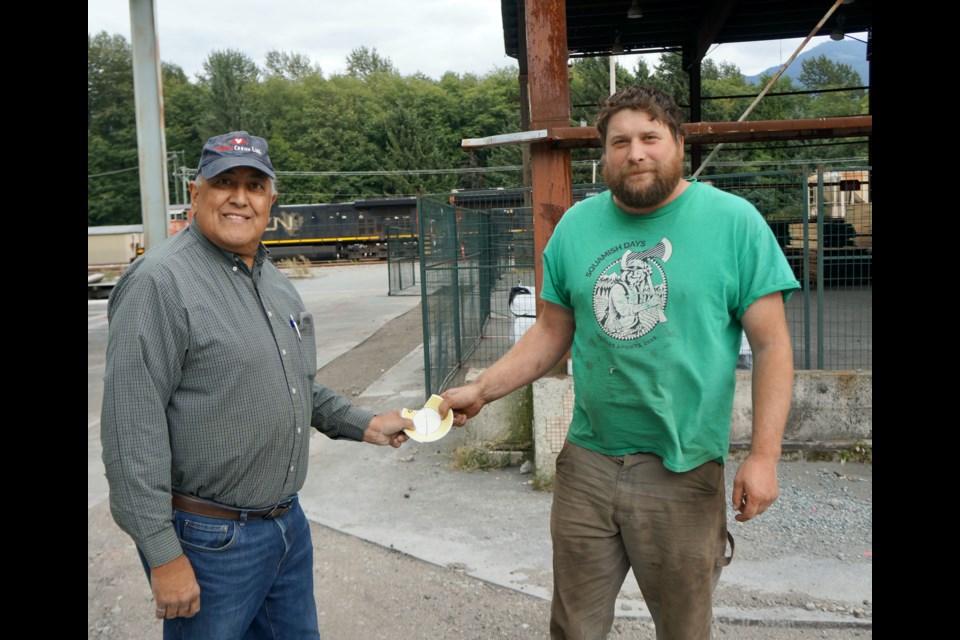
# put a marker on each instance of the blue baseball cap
(236, 149)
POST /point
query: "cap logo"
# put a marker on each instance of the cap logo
(240, 145)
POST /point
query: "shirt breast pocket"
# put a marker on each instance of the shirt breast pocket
(308, 343)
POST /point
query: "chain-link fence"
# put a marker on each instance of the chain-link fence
(823, 219)
(403, 260)
(474, 246)
(476, 266)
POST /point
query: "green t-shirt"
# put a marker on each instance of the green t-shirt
(657, 301)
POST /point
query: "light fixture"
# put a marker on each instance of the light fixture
(837, 33)
(634, 11)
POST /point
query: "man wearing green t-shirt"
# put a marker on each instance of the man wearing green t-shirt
(650, 286)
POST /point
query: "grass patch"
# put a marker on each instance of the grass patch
(471, 458)
(859, 452)
(298, 267)
(543, 485)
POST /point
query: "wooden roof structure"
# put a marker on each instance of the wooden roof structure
(691, 28)
(544, 34)
(592, 26)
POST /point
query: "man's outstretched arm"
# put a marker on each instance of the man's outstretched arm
(538, 351)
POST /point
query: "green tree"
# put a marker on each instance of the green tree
(590, 85)
(362, 62)
(373, 119)
(722, 83)
(480, 107)
(290, 66)
(229, 75)
(641, 72)
(822, 73)
(113, 188)
(671, 76)
(184, 107)
(778, 107)
(113, 185)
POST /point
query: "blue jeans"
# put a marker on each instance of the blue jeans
(255, 577)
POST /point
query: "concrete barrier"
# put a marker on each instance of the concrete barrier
(830, 411)
(827, 407)
(503, 431)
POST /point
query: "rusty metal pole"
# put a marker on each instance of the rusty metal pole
(696, 106)
(546, 30)
(524, 80)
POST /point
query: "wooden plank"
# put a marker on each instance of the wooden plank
(698, 132)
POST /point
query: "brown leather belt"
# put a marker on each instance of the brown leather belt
(196, 506)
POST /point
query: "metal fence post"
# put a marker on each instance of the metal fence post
(805, 268)
(820, 243)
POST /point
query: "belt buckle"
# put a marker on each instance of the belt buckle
(278, 510)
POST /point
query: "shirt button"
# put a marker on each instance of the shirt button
(291, 469)
(299, 429)
(283, 351)
(293, 390)
(269, 314)
(234, 268)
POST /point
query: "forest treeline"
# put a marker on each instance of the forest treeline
(371, 132)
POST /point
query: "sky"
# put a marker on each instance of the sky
(426, 36)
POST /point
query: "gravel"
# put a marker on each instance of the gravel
(824, 510)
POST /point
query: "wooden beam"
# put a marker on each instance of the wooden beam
(778, 129)
(701, 132)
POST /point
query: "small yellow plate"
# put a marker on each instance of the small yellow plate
(428, 425)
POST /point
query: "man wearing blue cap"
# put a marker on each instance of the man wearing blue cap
(209, 396)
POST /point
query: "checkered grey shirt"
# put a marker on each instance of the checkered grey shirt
(208, 389)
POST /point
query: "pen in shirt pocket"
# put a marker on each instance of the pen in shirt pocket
(295, 328)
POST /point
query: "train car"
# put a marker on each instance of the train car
(321, 232)
(338, 231)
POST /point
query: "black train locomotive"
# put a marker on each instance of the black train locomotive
(339, 231)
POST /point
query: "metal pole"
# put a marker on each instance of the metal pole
(613, 75)
(151, 146)
(820, 279)
(185, 179)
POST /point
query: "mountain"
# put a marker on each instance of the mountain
(850, 52)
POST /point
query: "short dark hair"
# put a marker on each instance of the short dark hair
(656, 102)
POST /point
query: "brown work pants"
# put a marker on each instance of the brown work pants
(611, 513)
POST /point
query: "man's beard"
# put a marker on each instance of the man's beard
(665, 179)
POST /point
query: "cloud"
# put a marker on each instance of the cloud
(429, 36)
